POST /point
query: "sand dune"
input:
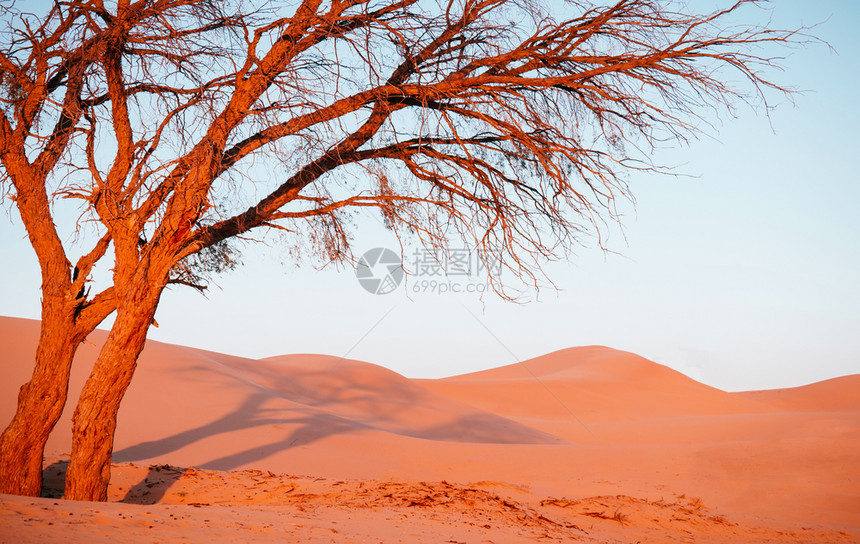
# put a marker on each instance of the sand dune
(569, 426)
(834, 395)
(596, 384)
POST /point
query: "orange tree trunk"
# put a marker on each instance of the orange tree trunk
(40, 405)
(41, 400)
(95, 417)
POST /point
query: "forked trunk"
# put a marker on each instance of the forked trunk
(95, 417)
(40, 405)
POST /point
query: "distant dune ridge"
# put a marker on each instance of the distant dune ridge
(576, 423)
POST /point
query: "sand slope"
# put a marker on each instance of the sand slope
(835, 395)
(591, 386)
(574, 425)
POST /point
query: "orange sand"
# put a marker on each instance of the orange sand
(587, 444)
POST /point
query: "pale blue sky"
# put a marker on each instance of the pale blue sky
(744, 276)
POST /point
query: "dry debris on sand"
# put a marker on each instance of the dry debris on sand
(163, 504)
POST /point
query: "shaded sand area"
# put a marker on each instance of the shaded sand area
(581, 445)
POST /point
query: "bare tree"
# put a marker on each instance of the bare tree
(509, 123)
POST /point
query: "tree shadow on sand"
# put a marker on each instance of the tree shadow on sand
(250, 414)
(315, 404)
(154, 485)
(54, 479)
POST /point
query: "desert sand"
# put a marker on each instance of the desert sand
(587, 444)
